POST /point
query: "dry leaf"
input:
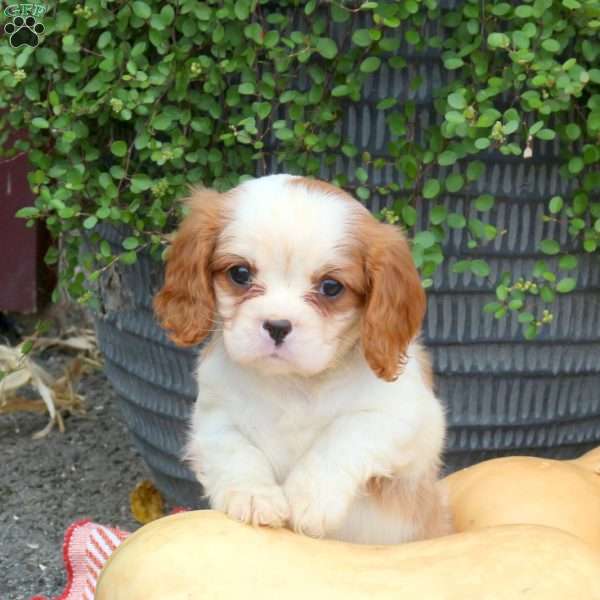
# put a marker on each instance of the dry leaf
(146, 502)
(56, 393)
(14, 380)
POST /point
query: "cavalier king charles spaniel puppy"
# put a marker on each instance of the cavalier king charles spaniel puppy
(315, 405)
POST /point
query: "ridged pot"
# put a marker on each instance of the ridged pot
(504, 395)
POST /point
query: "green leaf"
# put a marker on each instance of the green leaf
(119, 148)
(545, 134)
(141, 10)
(492, 307)
(515, 304)
(475, 170)
(431, 188)
(242, 9)
(480, 268)
(361, 174)
(484, 202)
(167, 15)
(162, 122)
(40, 123)
(117, 172)
(140, 183)
(551, 45)
(456, 221)
(566, 285)
(370, 64)
(409, 215)
(131, 243)
(454, 116)
(453, 63)
(454, 182)
(26, 347)
(498, 40)
(556, 204)
(549, 247)
(27, 212)
(90, 222)
(340, 90)
(457, 100)
(531, 331)
(447, 158)
(362, 38)
(573, 131)
(128, 258)
(501, 292)
(524, 11)
(525, 317)
(326, 47)
(462, 266)
(105, 249)
(482, 143)
(575, 165)
(271, 39)
(284, 134)
(246, 88)
(386, 103)
(567, 263)
(104, 39)
(363, 193)
(488, 117)
(425, 239)
(437, 214)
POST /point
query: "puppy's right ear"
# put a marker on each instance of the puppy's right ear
(185, 305)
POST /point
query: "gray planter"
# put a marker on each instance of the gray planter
(504, 395)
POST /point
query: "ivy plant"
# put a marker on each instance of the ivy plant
(127, 104)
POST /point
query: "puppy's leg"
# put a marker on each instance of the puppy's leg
(237, 477)
(324, 486)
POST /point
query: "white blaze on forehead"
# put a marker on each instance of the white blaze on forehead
(286, 228)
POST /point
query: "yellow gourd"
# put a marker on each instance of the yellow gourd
(527, 528)
(521, 489)
(204, 555)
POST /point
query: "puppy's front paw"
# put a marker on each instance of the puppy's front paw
(263, 505)
(318, 506)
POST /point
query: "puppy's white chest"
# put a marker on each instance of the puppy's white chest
(284, 428)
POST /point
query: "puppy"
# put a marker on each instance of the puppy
(315, 406)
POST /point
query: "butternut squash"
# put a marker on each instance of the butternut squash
(204, 555)
(522, 489)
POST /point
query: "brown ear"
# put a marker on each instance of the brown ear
(185, 305)
(395, 303)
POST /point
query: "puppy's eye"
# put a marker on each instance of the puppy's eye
(330, 288)
(240, 275)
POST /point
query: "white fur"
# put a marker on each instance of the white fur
(294, 438)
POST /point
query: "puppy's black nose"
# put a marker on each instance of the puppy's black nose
(278, 329)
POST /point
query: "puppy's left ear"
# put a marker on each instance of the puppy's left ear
(395, 303)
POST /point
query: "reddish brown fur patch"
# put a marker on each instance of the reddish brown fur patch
(425, 503)
(350, 274)
(395, 304)
(185, 305)
(220, 266)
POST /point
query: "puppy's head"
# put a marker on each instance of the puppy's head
(294, 272)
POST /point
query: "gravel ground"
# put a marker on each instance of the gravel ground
(46, 484)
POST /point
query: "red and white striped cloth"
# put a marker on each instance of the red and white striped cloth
(86, 548)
